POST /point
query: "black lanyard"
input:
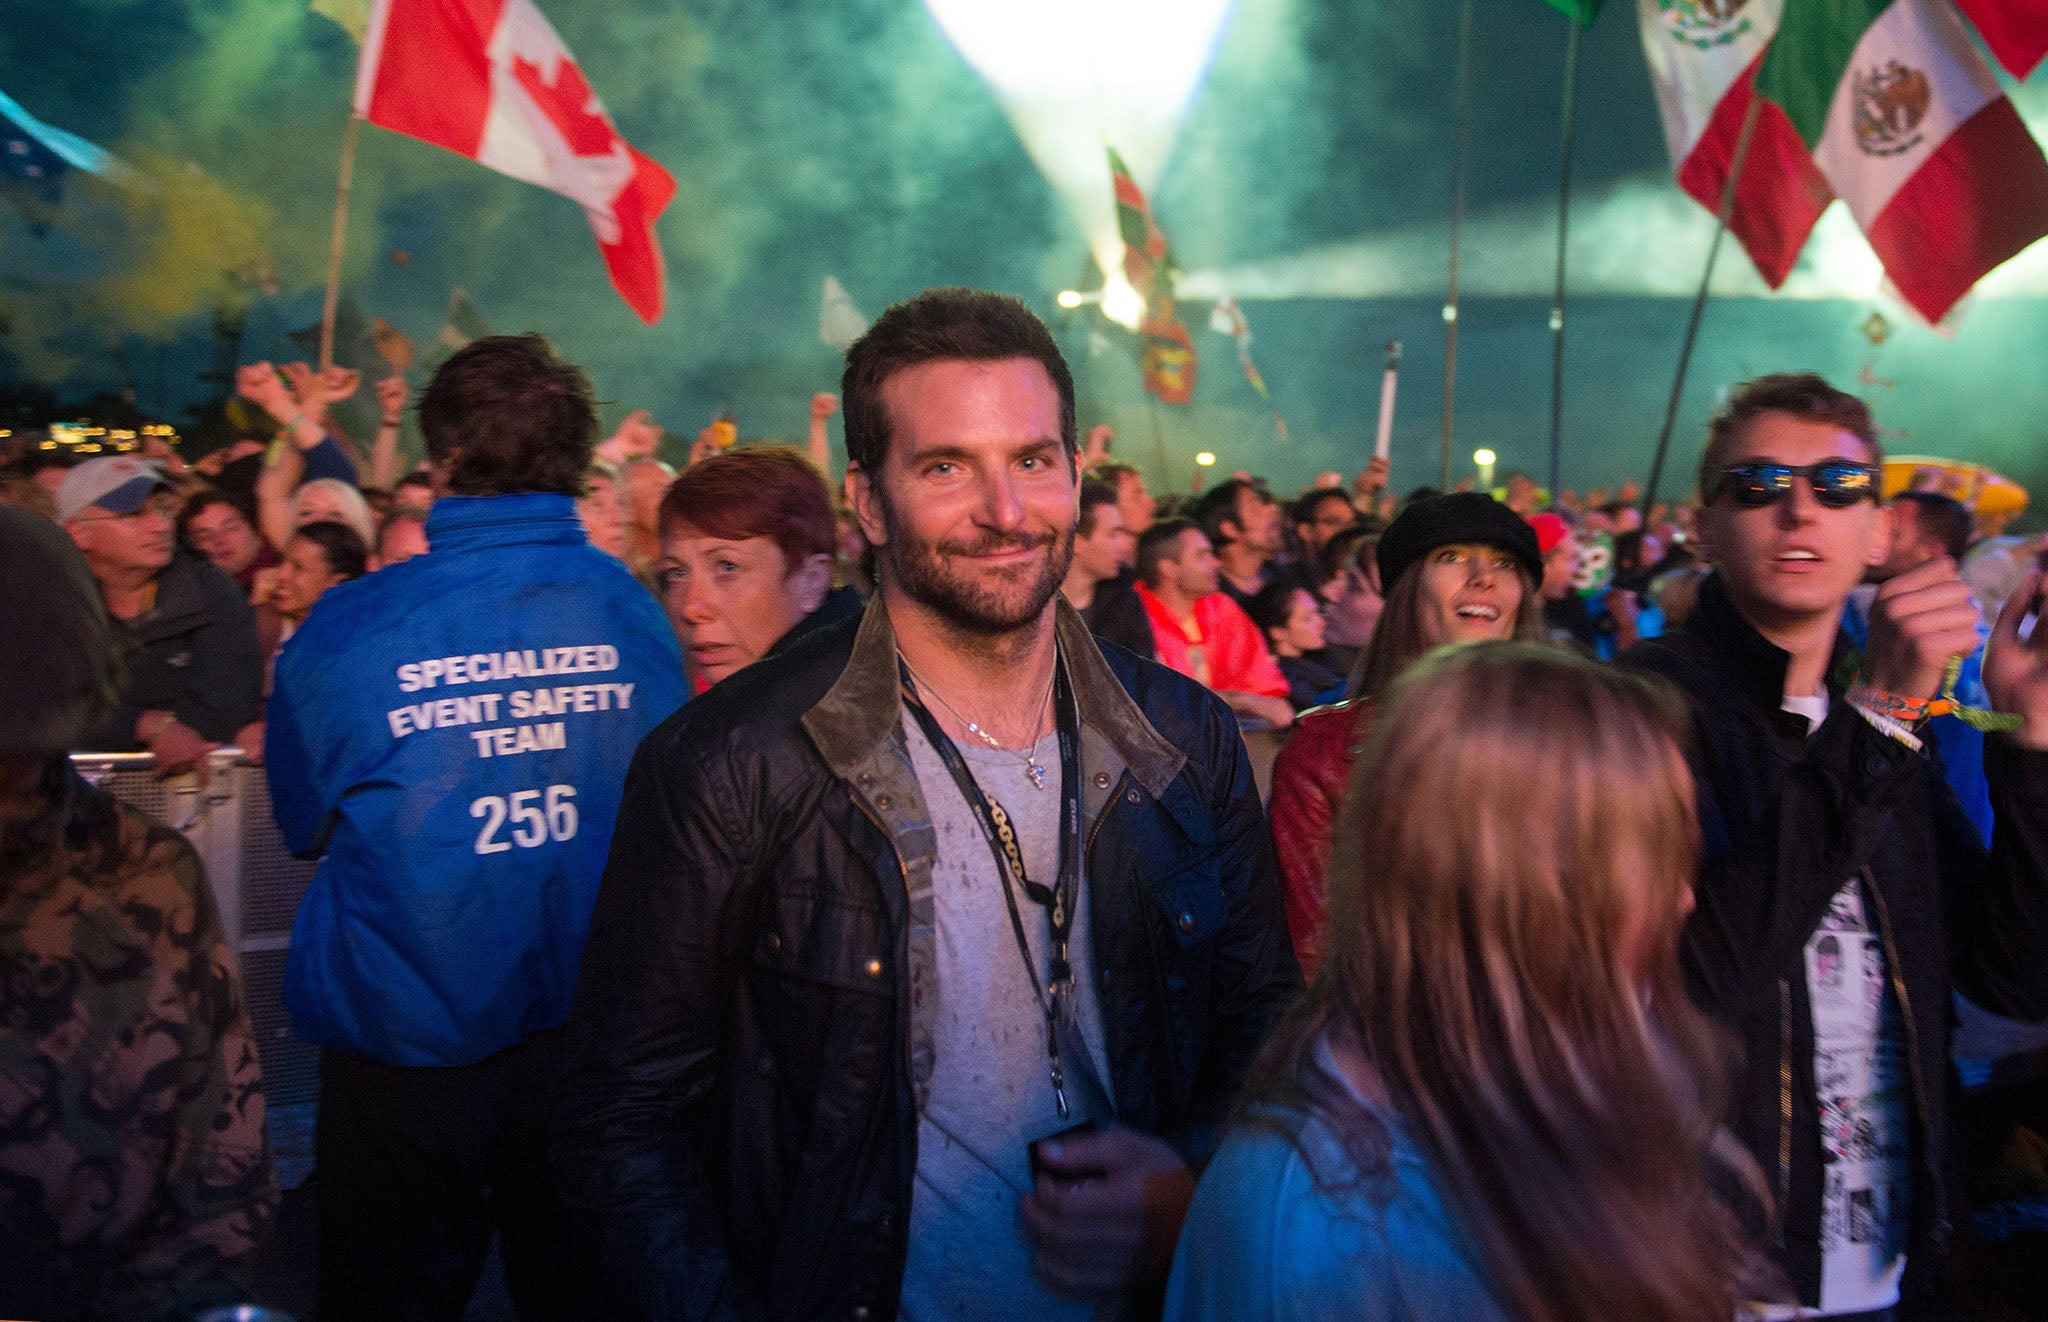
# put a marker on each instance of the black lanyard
(1055, 993)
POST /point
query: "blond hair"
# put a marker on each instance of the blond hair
(1511, 870)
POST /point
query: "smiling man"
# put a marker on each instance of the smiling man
(1827, 831)
(872, 916)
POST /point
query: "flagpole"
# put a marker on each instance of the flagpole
(1699, 302)
(1158, 439)
(1564, 212)
(1464, 121)
(341, 189)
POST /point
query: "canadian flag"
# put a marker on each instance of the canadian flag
(1703, 57)
(491, 80)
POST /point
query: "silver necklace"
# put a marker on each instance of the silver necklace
(1033, 768)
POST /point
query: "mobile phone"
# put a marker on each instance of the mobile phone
(1038, 1166)
(2033, 615)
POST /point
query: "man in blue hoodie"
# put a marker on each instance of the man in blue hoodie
(452, 734)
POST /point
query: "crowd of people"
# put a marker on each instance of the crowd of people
(745, 895)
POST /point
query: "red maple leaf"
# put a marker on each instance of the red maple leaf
(570, 105)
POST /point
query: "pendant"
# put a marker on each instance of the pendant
(1036, 772)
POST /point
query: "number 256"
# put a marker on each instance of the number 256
(532, 824)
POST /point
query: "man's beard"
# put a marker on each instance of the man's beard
(1000, 605)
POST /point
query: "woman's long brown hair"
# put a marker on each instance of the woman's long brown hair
(1511, 869)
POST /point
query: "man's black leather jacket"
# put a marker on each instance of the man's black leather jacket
(737, 1132)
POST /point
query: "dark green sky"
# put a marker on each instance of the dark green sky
(850, 139)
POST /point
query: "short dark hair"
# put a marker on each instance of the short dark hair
(1272, 604)
(1155, 546)
(205, 499)
(340, 546)
(1095, 493)
(770, 491)
(942, 325)
(1114, 471)
(1220, 504)
(1943, 518)
(1803, 395)
(1304, 508)
(508, 415)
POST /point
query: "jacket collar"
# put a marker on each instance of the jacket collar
(864, 709)
(1752, 663)
(180, 601)
(535, 516)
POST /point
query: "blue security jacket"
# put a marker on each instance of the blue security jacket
(453, 733)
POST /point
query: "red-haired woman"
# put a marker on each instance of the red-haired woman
(746, 558)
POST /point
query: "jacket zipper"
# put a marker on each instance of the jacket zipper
(1784, 1106)
(1898, 981)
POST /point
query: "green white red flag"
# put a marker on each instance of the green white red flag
(1168, 362)
(1910, 127)
(1703, 57)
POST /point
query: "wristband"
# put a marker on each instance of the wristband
(1893, 706)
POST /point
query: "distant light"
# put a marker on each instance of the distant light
(1072, 75)
(1120, 303)
(1450, 312)
(1071, 298)
(1206, 459)
(1484, 457)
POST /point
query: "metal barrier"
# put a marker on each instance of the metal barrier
(256, 883)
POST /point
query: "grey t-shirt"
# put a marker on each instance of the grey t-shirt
(991, 1095)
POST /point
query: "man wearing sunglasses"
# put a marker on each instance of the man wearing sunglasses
(1826, 823)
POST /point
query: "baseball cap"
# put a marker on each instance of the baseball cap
(116, 483)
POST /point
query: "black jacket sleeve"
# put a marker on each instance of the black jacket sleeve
(666, 948)
(1780, 833)
(1998, 905)
(1256, 973)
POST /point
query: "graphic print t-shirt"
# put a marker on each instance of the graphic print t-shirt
(1860, 1078)
(1860, 1075)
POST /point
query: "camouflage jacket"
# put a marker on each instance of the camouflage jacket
(134, 1169)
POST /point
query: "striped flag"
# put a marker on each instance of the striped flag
(1703, 57)
(1168, 362)
(491, 80)
(1908, 124)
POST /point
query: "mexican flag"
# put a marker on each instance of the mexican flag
(1703, 57)
(1909, 125)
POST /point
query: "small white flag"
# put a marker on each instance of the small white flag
(839, 321)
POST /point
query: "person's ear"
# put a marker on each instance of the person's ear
(866, 499)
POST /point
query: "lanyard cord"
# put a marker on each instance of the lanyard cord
(1058, 899)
